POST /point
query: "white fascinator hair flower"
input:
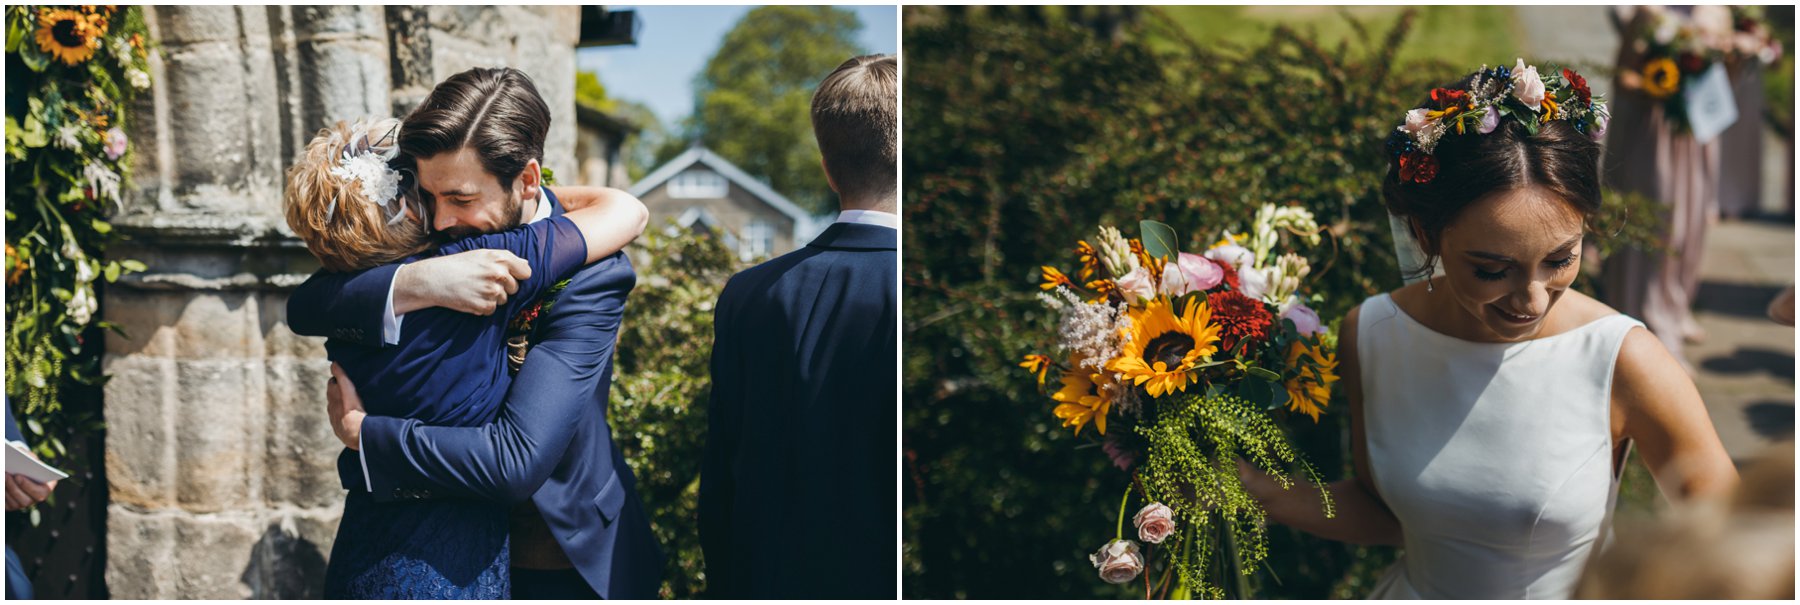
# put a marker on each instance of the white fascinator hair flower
(365, 165)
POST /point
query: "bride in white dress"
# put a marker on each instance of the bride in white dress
(1492, 407)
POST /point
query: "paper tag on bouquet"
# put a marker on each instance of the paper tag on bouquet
(1710, 107)
(20, 462)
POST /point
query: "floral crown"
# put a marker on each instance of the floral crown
(365, 164)
(1518, 92)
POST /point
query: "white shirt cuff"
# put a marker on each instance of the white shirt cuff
(390, 323)
(368, 484)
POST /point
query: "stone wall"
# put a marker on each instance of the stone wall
(219, 458)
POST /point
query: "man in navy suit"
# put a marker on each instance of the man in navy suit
(797, 490)
(579, 530)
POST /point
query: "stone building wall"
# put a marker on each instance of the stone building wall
(220, 461)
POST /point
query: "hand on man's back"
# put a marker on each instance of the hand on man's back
(476, 281)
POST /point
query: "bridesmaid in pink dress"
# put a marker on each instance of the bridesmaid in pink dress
(1649, 155)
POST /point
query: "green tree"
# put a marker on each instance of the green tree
(753, 101)
(590, 92)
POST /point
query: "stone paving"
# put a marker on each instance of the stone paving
(1746, 363)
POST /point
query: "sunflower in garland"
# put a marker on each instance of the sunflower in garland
(1162, 348)
(1310, 390)
(69, 36)
(1086, 396)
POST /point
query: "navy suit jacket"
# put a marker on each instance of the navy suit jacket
(797, 496)
(550, 444)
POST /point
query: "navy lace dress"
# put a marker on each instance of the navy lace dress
(449, 369)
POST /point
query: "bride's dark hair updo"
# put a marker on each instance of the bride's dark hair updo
(1470, 167)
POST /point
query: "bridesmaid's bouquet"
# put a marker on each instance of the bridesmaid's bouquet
(1184, 363)
(1679, 49)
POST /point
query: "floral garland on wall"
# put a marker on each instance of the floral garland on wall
(72, 73)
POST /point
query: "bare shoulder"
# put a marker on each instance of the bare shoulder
(1646, 375)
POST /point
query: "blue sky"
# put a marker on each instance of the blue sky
(675, 43)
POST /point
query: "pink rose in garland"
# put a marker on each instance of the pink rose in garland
(1119, 561)
(1528, 86)
(1155, 523)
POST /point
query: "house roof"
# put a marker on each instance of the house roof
(701, 155)
(606, 122)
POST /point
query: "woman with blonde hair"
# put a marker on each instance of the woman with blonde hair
(353, 209)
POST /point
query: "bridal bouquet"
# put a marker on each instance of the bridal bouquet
(1184, 363)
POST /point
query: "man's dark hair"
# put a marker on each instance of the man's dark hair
(497, 111)
(855, 119)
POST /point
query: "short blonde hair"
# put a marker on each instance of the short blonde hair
(855, 117)
(339, 224)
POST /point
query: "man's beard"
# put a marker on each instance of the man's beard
(513, 206)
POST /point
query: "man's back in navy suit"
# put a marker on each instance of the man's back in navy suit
(797, 495)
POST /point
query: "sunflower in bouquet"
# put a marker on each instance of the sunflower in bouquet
(1678, 49)
(1183, 363)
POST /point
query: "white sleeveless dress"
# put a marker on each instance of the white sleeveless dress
(1495, 457)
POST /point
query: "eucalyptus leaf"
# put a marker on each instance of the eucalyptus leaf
(102, 227)
(1159, 239)
(1256, 392)
(133, 265)
(36, 428)
(1264, 374)
(1281, 397)
(112, 272)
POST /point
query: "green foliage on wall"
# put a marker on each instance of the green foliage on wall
(72, 73)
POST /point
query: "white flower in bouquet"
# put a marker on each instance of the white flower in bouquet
(1231, 254)
(1253, 282)
(1137, 285)
(1296, 220)
(1284, 278)
(1119, 561)
(1092, 331)
(1115, 253)
(71, 251)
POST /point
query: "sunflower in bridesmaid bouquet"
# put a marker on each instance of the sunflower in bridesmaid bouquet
(1184, 363)
(69, 35)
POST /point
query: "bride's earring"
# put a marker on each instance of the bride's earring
(1428, 275)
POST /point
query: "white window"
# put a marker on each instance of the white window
(758, 240)
(700, 184)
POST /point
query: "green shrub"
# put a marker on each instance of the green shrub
(660, 388)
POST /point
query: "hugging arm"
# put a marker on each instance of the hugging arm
(509, 458)
(364, 307)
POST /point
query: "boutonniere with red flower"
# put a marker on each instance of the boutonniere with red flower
(522, 331)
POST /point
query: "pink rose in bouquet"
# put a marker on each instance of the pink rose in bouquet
(1155, 523)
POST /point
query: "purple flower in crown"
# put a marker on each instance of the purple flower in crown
(1489, 120)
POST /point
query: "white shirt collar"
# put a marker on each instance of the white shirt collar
(869, 217)
(543, 208)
